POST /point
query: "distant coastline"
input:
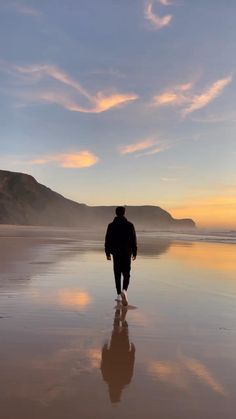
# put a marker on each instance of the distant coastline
(24, 201)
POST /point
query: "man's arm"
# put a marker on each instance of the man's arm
(108, 243)
(134, 243)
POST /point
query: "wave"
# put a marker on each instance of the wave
(210, 236)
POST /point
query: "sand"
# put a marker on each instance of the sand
(68, 351)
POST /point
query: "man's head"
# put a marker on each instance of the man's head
(120, 211)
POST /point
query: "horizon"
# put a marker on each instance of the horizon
(114, 205)
(130, 103)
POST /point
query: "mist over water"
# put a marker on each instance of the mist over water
(68, 350)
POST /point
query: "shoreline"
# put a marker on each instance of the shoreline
(207, 236)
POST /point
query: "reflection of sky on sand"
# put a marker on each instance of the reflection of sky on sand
(53, 326)
(46, 379)
(213, 256)
(183, 372)
(74, 298)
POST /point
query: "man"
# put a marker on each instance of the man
(121, 242)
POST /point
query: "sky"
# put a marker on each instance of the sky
(123, 102)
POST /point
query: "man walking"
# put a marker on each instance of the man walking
(121, 242)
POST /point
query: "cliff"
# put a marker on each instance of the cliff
(24, 201)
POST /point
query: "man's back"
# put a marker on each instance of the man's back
(121, 237)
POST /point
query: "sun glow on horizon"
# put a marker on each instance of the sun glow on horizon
(215, 212)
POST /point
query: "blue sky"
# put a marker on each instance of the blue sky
(123, 102)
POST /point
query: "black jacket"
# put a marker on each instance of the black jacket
(121, 238)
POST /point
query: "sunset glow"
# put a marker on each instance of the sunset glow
(123, 103)
(219, 211)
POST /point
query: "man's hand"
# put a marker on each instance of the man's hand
(133, 257)
(108, 257)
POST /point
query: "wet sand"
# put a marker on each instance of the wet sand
(68, 351)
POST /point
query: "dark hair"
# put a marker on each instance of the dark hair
(120, 211)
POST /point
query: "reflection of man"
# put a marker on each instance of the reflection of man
(121, 242)
(118, 358)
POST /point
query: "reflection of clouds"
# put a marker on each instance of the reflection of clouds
(201, 372)
(94, 356)
(74, 298)
(71, 357)
(180, 374)
(207, 255)
(139, 317)
(54, 377)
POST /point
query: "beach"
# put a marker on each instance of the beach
(68, 350)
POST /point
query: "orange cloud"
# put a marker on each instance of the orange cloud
(202, 100)
(140, 145)
(175, 96)
(83, 158)
(168, 98)
(181, 95)
(103, 103)
(98, 103)
(156, 21)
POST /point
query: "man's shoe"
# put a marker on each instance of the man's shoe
(124, 298)
(118, 298)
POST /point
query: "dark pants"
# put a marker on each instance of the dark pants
(121, 265)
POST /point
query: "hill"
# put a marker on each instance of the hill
(24, 201)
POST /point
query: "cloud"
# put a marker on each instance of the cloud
(140, 145)
(103, 102)
(175, 96)
(168, 98)
(208, 95)
(77, 160)
(70, 98)
(184, 87)
(40, 71)
(155, 150)
(145, 147)
(156, 21)
(165, 2)
(23, 9)
(182, 95)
